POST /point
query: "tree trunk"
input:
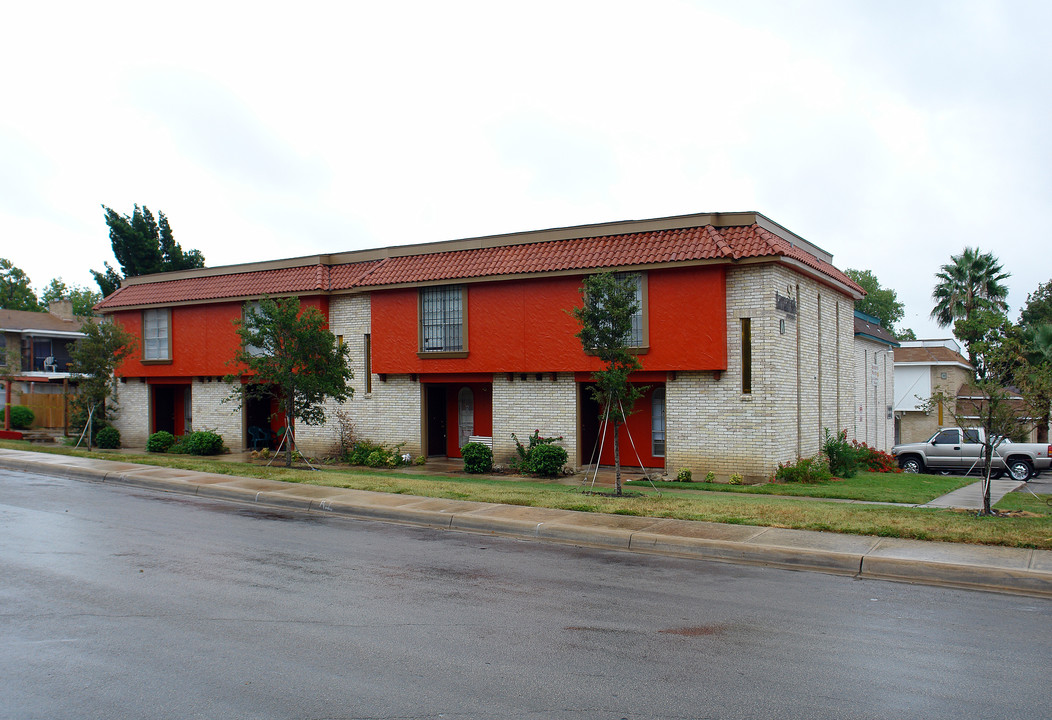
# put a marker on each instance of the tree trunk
(987, 470)
(289, 415)
(617, 458)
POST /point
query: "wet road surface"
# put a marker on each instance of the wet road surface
(122, 603)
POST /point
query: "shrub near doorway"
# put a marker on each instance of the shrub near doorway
(478, 458)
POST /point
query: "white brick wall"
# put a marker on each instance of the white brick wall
(874, 392)
(132, 412)
(390, 414)
(802, 380)
(210, 412)
(523, 406)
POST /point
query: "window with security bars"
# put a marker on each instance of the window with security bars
(442, 318)
(635, 337)
(155, 335)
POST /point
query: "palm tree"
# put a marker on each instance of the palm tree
(973, 281)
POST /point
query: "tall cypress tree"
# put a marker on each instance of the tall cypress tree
(142, 246)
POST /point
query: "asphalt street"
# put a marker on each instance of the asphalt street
(125, 603)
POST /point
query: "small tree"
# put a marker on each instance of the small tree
(608, 304)
(280, 346)
(1007, 393)
(94, 358)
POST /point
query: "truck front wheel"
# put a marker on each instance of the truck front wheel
(911, 464)
(1020, 470)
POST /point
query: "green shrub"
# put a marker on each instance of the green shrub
(548, 460)
(806, 470)
(478, 458)
(527, 456)
(736, 479)
(109, 438)
(684, 475)
(875, 460)
(160, 442)
(202, 442)
(710, 477)
(843, 459)
(374, 455)
(21, 417)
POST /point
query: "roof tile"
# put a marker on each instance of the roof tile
(586, 253)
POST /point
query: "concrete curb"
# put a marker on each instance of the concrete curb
(998, 569)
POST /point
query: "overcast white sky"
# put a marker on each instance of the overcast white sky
(891, 133)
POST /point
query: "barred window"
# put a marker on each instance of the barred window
(442, 319)
(635, 337)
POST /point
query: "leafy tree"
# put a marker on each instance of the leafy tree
(1008, 391)
(15, 292)
(1038, 308)
(142, 246)
(880, 302)
(608, 303)
(83, 299)
(905, 334)
(280, 346)
(973, 281)
(95, 356)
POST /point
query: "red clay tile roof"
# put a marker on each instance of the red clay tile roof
(246, 284)
(587, 253)
(647, 248)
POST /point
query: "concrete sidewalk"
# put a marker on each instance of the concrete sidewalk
(1000, 569)
(970, 497)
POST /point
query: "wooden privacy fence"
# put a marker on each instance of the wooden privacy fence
(48, 410)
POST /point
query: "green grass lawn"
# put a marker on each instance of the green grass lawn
(874, 487)
(746, 508)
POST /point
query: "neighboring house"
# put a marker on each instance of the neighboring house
(34, 354)
(923, 368)
(874, 383)
(745, 334)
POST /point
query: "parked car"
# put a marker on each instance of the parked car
(960, 450)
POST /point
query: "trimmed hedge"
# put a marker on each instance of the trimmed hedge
(21, 417)
(160, 441)
(108, 438)
(478, 458)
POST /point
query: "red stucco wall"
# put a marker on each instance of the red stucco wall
(202, 337)
(525, 326)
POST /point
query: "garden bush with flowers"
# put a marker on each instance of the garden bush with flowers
(875, 460)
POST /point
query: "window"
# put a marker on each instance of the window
(252, 306)
(368, 353)
(637, 338)
(442, 319)
(3, 349)
(746, 355)
(657, 423)
(156, 336)
(947, 437)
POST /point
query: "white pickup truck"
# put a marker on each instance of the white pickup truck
(959, 450)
